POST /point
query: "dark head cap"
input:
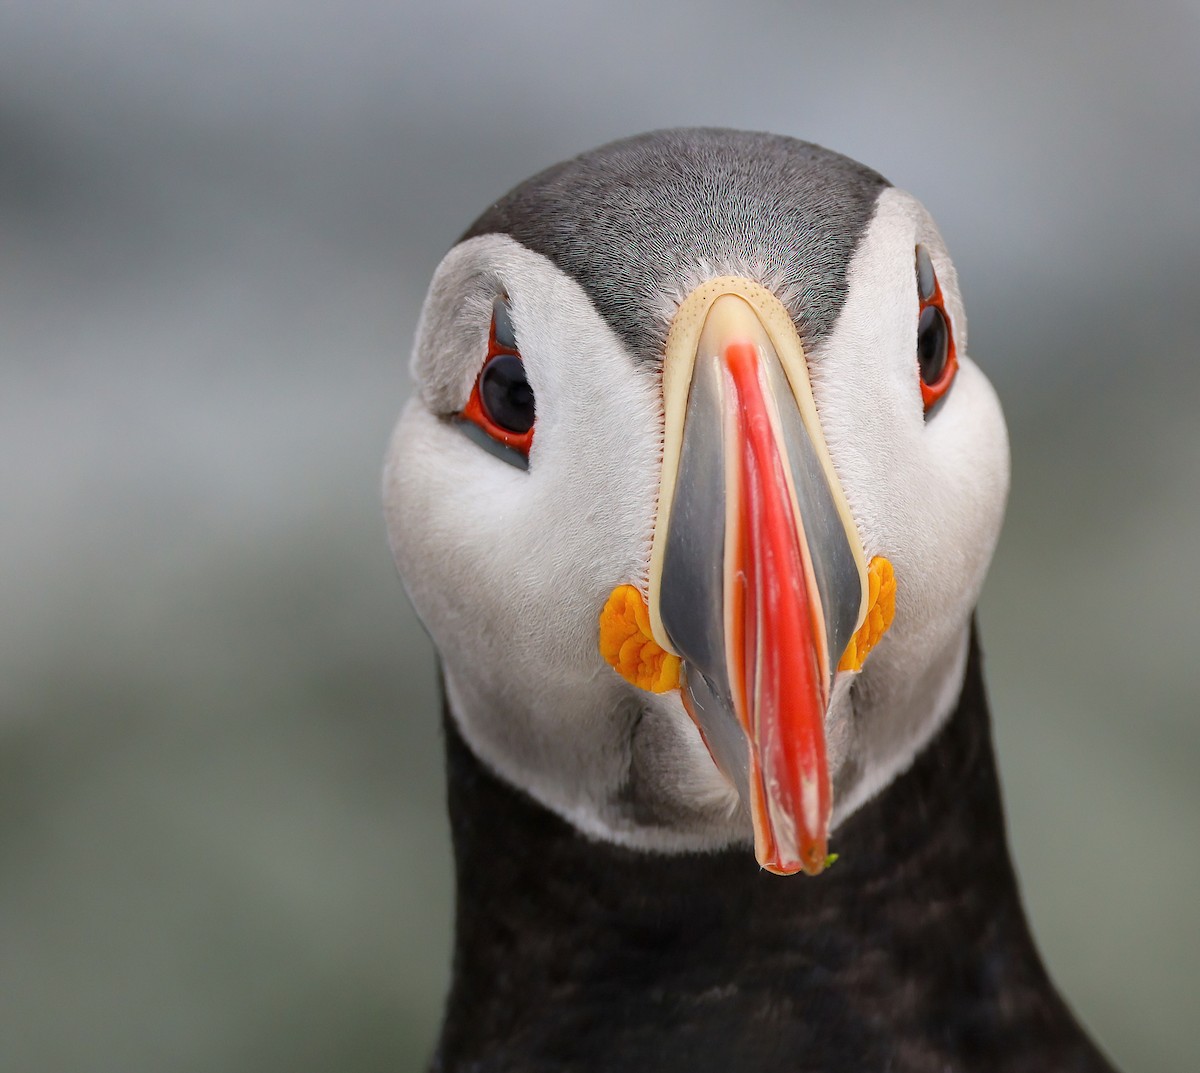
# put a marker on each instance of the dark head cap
(639, 222)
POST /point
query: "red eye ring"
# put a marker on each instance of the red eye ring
(499, 366)
(477, 414)
(933, 391)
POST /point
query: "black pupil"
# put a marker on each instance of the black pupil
(933, 344)
(506, 395)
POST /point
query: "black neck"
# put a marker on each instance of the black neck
(911, 953)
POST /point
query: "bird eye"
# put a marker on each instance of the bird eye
(500, 413)
(936, 359)
(933, 345)
(505, 395)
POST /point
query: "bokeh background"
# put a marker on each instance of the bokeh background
(222, 844)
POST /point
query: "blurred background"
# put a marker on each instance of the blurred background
(222, 843)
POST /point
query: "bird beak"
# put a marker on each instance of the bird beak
(758, 581)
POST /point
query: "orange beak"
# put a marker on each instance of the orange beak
(758, 578)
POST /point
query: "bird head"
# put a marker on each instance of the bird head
(697, 489)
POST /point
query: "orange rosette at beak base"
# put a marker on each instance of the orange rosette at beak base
(629, 647)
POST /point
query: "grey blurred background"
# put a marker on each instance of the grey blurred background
(221, 835)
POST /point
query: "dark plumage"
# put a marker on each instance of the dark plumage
(910, 955)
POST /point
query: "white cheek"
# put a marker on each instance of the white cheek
(509, 568)
(927, 491)
(448, 509)
(513, 566)
(966, 463)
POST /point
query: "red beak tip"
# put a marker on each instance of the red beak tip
(813, 862)
(779, 868)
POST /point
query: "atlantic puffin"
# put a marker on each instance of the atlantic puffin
(695, 497)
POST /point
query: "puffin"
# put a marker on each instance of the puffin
(695, 496)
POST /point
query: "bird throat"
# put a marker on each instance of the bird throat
(912, 953)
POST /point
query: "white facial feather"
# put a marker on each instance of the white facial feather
(509, 569)
(927, 492)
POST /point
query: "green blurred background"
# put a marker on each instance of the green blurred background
(222, 844)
